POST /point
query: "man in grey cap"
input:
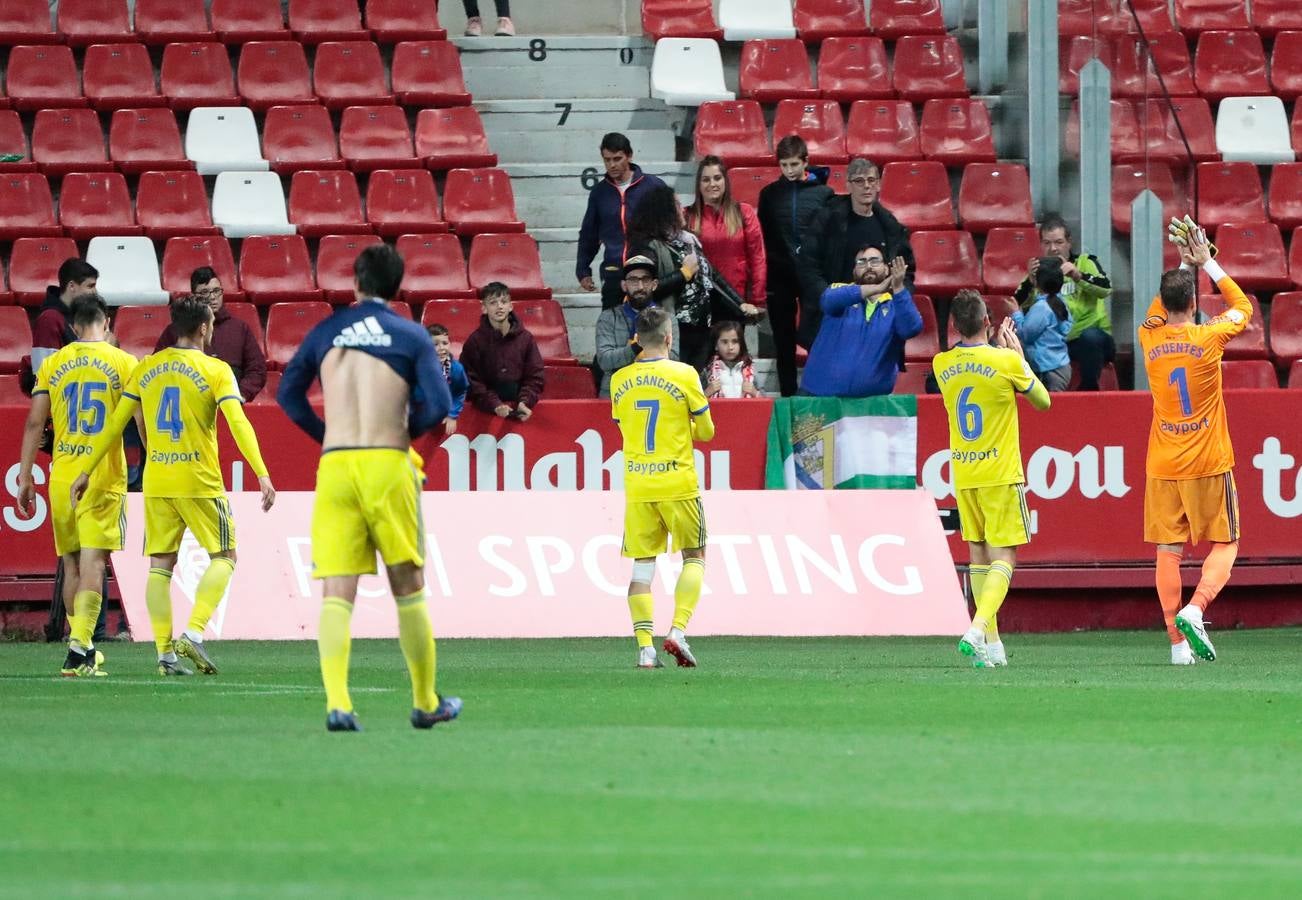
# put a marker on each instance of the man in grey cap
(617, 326)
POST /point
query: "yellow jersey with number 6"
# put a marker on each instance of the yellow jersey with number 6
(179, 391)
(661, 409)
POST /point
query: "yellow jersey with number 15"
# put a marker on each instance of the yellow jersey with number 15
(179, 391)
(661, 409)
(980, 384)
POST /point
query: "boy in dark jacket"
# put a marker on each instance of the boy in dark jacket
(502, 359)
(52, 331)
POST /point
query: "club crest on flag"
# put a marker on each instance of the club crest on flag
(813, 444)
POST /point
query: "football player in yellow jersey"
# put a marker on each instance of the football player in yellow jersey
(980, 384)
(80, 385)
(179, 390)
(661, 410)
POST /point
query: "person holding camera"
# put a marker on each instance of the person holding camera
(502, 359)
(1043, 327)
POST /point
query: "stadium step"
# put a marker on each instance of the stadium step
(565, 68)
(553, 50)
(565, 144)
(631, 114)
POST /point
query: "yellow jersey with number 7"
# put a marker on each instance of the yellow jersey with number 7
(661, 409)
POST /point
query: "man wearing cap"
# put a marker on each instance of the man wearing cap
(617, 326)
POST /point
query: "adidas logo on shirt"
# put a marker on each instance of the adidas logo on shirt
(366, 333)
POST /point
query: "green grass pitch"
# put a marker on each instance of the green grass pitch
(780, 768)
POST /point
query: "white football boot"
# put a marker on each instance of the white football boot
(1190, 622)
(1182, 654)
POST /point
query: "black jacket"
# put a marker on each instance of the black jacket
(785, 211)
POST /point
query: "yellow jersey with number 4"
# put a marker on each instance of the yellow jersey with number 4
(179, 391)
(980, 384)
(661, 409)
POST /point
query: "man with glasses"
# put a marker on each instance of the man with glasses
(233, 341)
(617, 327)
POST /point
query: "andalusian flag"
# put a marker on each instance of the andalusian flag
(817, 443)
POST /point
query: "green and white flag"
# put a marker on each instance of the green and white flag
(818, 443)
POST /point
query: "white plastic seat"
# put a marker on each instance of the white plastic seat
(128, 271)
(747, 20)
(1253, 129)
(688, 72)
(245, 204)
(224, 139)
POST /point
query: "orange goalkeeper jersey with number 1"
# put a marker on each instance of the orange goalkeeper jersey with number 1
(1190, 437)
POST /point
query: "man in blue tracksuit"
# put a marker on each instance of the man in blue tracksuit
(610, 207)
(860, 342)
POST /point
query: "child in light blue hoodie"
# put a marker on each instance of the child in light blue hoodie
(1043, 328)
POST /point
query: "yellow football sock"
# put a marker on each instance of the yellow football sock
(208, 595)
(976, 574)
(87, 604)
(416, 636)
(334, 640)
(993, 593)
(687, 593)
(158, 598)
(642, 607)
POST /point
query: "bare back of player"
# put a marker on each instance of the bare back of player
(365, 401)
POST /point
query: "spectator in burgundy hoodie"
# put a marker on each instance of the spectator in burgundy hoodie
(233, 341)
(52, 330)
(729, 232)
(502, 359)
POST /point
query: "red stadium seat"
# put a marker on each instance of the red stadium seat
(14, 140)
(566, 383)
(1295, 258)
(1195, 116)
(452, 138)
(314, 21)
(1229, 192)
(288, 324)
(1270, 17)
(774, 70)
(1126, 142)
(1129, 179)
(680, 18)
(927, 67)
(435, 268)
(138, 328)
(918, 194)
(1251, 344)
(11, 391)
(1194, 16)
(267, 396)
(274, 73)
(1230, 64)
(746, 182)
(1074, 51)
(117, 75)
(26, 22)
(91, 204)
(818, 20)
(994, 194)
(276, 270)
(238, 21)
(34, 263)
(1285, 330)
(1286, 65)
(1250, 374)
(956, 132)
(376, 137)
(69, 140)
(161, 22)
(821, 125)
(926, 343)
(43, 78)
(1285, 199)
(182, 255)
(734, 131)
(392, 21)
(326, 202)
(248, 314)
(884, 131)
(428, 73)
(480, 201)
(86, 22)
(1134, 75)
(141, 140)
(1255, 254)
(350, 73)
(402, 201)
(1007, 253)
(546, 322)
(299, 137)
(402, 308)
(15, 338)
(173, 204)
(891, 19)
(854, 68)
(460, 317)
(946, 262)
(511, 259)
(913, 380)
(198, 74)
(836, 179)
(334, 264)
(26, 207)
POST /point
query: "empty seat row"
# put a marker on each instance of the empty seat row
(811, 20)
(344, 73)
(83, 22)
(1087, 17)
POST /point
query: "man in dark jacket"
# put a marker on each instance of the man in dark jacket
(502, 359)
(610, 206)
(786, 208)
(51, 330)
(836, 233)
(233, 341)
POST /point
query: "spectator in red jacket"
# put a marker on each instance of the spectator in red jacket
(729, 232)
(502, 359)
(51, 330)
(233, 341)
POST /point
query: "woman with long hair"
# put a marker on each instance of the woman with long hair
(729, 231)
(1044, 326)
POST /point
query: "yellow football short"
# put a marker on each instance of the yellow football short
(99, 522)
(647, 525)
(1192, 509)
(208, 518)
(367, 501)
(996, 515)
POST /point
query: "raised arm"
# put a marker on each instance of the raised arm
(292, 394)
(431, 400)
